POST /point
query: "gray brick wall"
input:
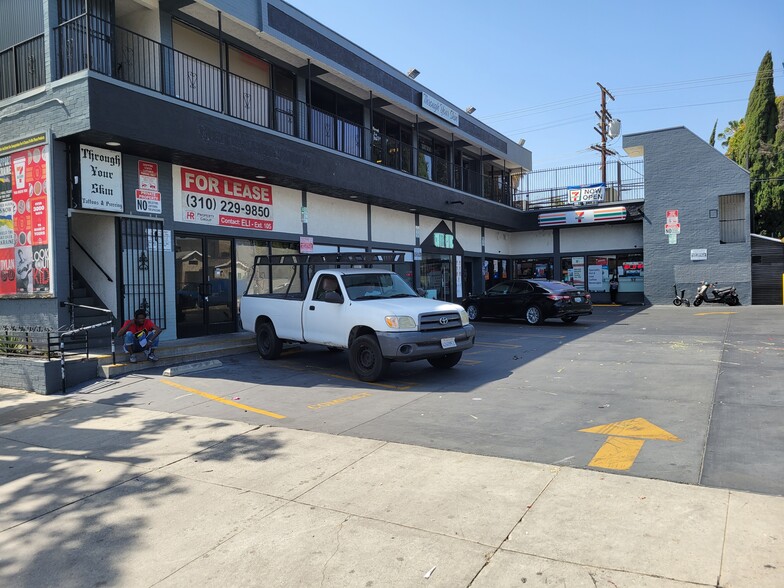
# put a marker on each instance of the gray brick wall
(683, 172)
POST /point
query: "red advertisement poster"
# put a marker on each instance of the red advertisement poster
(24, 221)
(7, 271)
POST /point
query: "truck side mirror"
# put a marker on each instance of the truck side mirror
(333, 297)
(421, 292)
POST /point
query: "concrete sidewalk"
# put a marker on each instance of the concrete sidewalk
(92, 494)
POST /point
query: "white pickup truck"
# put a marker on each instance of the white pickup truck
(373, 313)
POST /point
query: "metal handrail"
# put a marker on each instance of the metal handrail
(64, 334)
(90, 257)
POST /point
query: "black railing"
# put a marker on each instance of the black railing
(549, 188)
(88, 42)
(22, 67)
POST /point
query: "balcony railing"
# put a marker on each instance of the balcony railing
(549, 188)
(88, 42)
(22, 67)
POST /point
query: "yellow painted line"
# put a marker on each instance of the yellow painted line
(617, 453)
(380, 385)
(338, 401)
(716, 312)
(639, 428)
(224, 400)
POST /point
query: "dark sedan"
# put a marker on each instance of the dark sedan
(532, 300)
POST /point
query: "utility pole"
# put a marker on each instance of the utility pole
(604, 119)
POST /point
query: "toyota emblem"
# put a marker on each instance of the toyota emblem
(443, 320)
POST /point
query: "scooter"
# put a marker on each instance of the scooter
(678, 300)
(723, 296)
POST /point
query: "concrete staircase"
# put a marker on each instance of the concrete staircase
(171, 353)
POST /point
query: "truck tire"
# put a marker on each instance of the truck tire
(267, 341)
(444, 362)
(366, 360)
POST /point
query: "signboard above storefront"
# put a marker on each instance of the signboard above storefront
(582, 217)
(440, 109)
(101, 179)
(580, 195)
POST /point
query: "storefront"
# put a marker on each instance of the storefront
(595, 271)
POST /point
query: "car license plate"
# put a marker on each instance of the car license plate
(448, 342)
(578, 299)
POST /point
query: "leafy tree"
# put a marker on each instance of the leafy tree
(712, 140)
(754, 145)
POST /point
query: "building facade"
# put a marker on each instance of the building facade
(150, 149)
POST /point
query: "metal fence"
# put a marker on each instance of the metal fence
(549, 188)
(22, 67)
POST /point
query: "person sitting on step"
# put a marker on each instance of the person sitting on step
(140, 335)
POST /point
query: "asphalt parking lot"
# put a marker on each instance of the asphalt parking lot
(690, 395)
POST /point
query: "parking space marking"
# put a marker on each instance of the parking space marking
(498, 345)
(716, 312)
(338, 401)
(311, 368)
(224, 400)
(470, 361)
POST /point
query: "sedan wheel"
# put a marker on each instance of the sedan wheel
(473, 312)
(534, 315)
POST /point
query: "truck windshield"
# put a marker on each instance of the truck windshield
(376, 286)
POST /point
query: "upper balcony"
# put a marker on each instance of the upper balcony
(370, 130)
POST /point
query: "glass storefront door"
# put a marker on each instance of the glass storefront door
(204, 273)
(435, 276)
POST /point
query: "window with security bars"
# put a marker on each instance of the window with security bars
(732, 218)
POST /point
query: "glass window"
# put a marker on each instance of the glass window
(631, 272)
(534, 268)
(282, 274)
(246, 252)
(732, 218)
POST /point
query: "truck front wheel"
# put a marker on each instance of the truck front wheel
(267, 341)
(366, 360)
(444, 362)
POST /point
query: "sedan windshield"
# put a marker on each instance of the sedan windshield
(376, 286)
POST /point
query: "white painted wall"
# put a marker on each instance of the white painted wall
(331, 217)
(498, 242)
(532, 242)
(469, 237)
(287, 204)
(604, 237)
(392, 226)
(96, 233)
(141, 20)
(426, 226)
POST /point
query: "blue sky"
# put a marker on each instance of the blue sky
(530, 68)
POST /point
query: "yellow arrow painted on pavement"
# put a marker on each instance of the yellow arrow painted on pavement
(624, 442)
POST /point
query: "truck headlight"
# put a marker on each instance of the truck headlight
(400, 322)
(463, 317)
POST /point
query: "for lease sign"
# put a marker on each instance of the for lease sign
(206, 198)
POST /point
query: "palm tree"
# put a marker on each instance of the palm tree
(732, 128)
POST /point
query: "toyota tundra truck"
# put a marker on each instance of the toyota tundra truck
(373, 313)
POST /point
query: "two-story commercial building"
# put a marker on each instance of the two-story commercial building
(149, 149)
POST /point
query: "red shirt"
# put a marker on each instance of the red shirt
(147, 328)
